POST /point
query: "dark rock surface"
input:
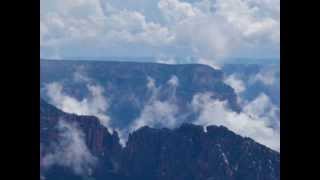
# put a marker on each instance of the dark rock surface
(184, 153)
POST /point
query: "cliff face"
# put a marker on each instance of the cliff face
(97, 137)
(190, 153)
(103, 145)
(185, 153)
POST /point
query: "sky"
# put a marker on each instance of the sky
(210, 30)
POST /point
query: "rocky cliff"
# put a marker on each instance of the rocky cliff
(184, 153)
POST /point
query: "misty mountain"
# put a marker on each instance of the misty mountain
(125, 84)
(184, 153)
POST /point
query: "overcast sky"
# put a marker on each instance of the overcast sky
(210, 30)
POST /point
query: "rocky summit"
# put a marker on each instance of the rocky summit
(188, 152)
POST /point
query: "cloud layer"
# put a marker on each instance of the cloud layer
(209, 29)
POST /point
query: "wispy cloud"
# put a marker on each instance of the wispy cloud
(252, 122)
(95, 103)
(267, 76)
(258, 119)
(70, 151)
(260, 116)
(236, 83)
(156, 112)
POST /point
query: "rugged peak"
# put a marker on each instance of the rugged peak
(184, 153)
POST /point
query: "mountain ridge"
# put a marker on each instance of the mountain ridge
(126, 88)
(152, 153)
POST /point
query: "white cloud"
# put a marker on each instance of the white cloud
(80, 75)
(70, 151)
(173, 81)
(88, 32)
(206, 29)
(236, 83)
(247, 18)
(95, 104)
(166, 60)
(156, 112)
(258, 120)
(250, 123)
(263, 109)
(267, 76)
(175, 11)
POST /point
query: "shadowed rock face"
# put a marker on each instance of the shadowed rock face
(125, 84)
(103, 145)
(97, 137)
(185, 153)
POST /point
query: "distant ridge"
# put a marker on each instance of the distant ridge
(125, 84)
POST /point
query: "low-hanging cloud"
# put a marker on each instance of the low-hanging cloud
(249, 84)
(260, 116)
(257, 120)
(94, 104)
(267, 76)
(236, 83)
(70, 151)
(156, 112)
(252, 122)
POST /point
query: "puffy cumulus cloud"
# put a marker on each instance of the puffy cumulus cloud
(175, 10)
(259, 118)
(209, 29)
(132, 27)
(252, 122)
(94, 104)
(70, 151)
(75, 31)
(62, 21)
(222, 28)
(156, 112)
(245, 15)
